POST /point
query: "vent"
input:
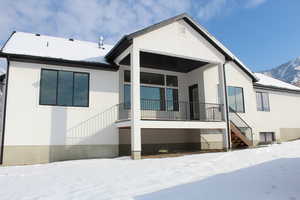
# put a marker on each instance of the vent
(71, 39)
(101, 43)
(37, 34)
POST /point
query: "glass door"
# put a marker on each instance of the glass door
(194, 102)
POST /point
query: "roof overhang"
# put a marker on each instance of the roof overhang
(60, 62)
(126, 41)
(276, 89)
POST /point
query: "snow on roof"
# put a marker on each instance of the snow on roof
(55, 47)
(269, 81)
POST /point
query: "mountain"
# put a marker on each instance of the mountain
(288, 72)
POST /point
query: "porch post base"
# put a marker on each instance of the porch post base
(136, 155)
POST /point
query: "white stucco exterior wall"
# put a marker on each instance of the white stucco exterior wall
(284, 107)
(179, 39)
(284, 114)
(28, 123)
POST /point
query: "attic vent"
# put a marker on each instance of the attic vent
(37, 34)
(71, 39)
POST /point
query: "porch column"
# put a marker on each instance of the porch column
(224, 101)
(135, 103)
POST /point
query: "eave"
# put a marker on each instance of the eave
(59, 61)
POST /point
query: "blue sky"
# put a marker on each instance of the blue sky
(262, 33)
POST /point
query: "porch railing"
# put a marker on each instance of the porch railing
(173, 110)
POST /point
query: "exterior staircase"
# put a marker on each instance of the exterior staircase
(241, 132)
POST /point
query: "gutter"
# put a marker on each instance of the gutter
(226, 104)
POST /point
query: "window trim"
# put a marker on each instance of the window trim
(263, 109)
(244, 108)
(56, 104)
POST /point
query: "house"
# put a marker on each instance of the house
(169, 87)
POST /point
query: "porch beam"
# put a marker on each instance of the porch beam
(136, 147)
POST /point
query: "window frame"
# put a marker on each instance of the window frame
(57, 80)
(243, 97)
(263, 109)
(165, 87)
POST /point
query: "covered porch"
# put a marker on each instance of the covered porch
(171, 75)
(164, 91)
(172, 88)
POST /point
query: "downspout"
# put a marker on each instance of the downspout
(4, 111)
(226, 105)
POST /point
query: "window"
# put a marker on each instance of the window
(64, 88)
(172, 99)
(236, 99)
(155, 93)
(154, 79)
(127, 97)
(172, 81)
(48, 87)
(266, 137)
(262, 100)
(152, 98)
(127, 76)
(147, 78)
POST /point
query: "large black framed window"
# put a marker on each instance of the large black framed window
(64, 88)
(262, 101)
(158, 91)
(152, 98)
(236, 99)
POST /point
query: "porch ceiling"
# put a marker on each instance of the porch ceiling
(164, 62)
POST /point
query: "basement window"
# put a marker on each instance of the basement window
(64, 88)
(266, 137)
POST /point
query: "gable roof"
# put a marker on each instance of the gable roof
(126, 41)
(42, 47)
(47, 49)
(275, 84)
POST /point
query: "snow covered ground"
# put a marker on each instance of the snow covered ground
(259, 174)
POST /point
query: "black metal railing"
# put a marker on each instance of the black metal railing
(152, 109)
(238, 121)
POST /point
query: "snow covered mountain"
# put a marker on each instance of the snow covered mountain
(288, 72)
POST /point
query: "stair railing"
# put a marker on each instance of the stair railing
(239, 123)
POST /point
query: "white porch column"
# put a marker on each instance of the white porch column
(224, 101)
(136, 146)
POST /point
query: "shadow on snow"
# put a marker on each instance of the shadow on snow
(277, 179)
